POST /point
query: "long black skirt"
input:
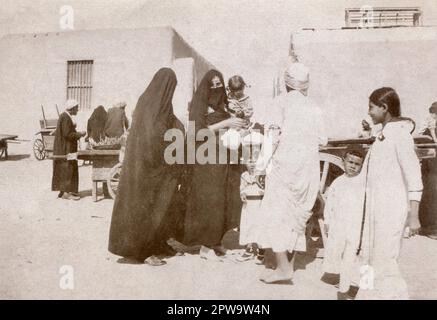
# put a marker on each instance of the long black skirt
(65, 176)
(213, 203)
(143, 221)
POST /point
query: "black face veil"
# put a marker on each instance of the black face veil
(206, 96)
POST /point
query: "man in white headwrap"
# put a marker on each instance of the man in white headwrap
(65, 171)
(297, 78)
(293, 181)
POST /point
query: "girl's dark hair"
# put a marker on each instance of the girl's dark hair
(236, 83)
(387, 96)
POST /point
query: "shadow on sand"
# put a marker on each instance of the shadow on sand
(16, 157)
(101, 194)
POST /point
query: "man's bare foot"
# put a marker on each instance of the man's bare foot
(279, 277)
(265, 274)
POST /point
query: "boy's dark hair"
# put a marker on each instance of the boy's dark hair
(356, 153)
(387, 96)
(236, 83)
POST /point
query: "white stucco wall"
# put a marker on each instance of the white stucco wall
(347, 65)
(33, 71)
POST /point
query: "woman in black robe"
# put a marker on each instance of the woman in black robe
(146, 210)
(96, 124)
(213, 192)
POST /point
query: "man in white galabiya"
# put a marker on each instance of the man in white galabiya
(293, 181)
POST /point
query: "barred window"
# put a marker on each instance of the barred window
(374, 17)
(79, 82)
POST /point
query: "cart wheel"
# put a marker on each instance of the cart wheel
(39, 150)
(113, 179)
(2, 152)
(328, 161)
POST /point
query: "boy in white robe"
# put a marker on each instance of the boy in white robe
(342, 215)
(251, 192)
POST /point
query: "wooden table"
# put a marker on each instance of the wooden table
(4, 144)
(102, 163)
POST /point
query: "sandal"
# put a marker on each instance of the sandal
(245, 257)
(155, 261)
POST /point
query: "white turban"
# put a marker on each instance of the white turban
(121, 104)
(297, 76)
(70, 104)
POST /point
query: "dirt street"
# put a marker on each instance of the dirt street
(43, 237)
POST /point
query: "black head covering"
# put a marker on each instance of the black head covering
(153, 115)
(204, 97)
(96, 123)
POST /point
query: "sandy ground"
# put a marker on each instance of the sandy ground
(40, 234)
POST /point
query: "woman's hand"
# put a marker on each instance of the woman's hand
(232, 122)
(235, 123)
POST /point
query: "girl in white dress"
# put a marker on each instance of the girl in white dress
(393, 193)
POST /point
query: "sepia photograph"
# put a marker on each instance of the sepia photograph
(244, 150)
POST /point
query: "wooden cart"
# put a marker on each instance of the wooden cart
(43, 145)
(4, 138)
(103, 164)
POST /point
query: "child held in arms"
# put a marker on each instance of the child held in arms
(343, 213)
(240, 106)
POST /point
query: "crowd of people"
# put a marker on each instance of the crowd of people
(164, 209)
